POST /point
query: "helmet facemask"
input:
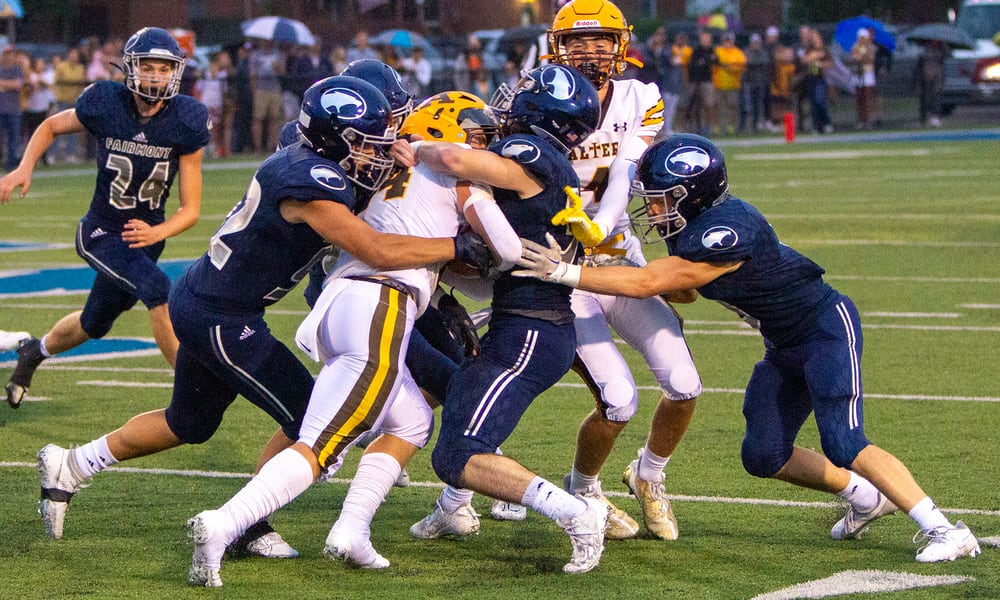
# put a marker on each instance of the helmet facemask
(139, 81)
(656, 217)
(597, 66)
(368, 163)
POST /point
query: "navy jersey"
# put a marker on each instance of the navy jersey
(137, 157)
(777, 289)
(256, 256)
(531, 218)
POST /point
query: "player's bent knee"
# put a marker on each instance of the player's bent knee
(449, 463)
(154, 290)
(762, 462)
(843, 452)
(193, 432)
(95, 328)
(620, 399)
(684, 383)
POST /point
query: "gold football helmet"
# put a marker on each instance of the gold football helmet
(591, 18)
(452, 117)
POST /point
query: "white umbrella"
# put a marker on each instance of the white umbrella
(278, 29)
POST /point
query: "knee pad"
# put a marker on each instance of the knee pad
(191, 431)
(684, 383)
(619, 400)
(763, 461)
(842, 452)
(96, 326)
(154, 290)
(450, 456)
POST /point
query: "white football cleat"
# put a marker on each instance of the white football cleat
(508, 511)
(946, 543)
(10, 339)
(464, 521)
(586, 533)
(59, 482)
(205, 532)
(656, 510)
(403, 479)
(356, 552)
(620, 525)
(856, 522)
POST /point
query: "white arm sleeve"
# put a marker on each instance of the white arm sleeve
(499, 235)
(615, 200)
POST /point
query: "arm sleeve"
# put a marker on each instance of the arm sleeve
(615, 200)
(500, 236)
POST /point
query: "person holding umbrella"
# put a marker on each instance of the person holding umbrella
(929, 75)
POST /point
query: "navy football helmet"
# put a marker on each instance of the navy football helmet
(146, 44)
(554, 102)
(676, 180)
(348, 121)
(387, 80)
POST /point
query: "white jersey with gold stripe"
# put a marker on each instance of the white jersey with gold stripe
(418, 202)
(634, 110)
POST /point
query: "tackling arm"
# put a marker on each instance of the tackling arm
(478, 165)
(338, 225)
(661, 276)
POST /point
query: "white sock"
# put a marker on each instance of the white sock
(93, 457)
(860, 492)
(42, 348)
(279, 481)
(579, 481)
(376, 473)
(452, 498)
(556, 504)
(928, 516)
(651, 466)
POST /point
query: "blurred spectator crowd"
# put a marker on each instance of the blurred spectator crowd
(711, 84)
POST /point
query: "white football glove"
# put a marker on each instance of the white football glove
(546, 263)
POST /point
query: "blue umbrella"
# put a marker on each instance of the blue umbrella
(847, 32)
(399, 38)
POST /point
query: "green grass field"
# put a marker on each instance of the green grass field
(910, 230)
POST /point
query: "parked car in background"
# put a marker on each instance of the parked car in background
(973, 76)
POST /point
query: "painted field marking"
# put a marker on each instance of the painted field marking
(862, 582)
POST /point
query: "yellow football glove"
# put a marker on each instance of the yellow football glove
(588, 232)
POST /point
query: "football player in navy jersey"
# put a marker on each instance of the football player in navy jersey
(725, 249)
(297, 204)
(531, 341)
(146, 135)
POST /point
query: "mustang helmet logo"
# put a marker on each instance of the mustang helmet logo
(328, 178)
(719, 238)
(558, 82)
(687, 161)
(345, 103)
(520, 151)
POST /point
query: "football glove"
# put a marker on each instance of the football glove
(459, 324)
(473, 251)
(545, 263)
(584, 229)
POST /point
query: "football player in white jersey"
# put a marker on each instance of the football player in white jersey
(360, 328)
(593, 36)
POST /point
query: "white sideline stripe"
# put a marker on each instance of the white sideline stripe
(439, 485)
(740, 391)
(991, 541)
(981, 306)
(862, 582)
(127, 384)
